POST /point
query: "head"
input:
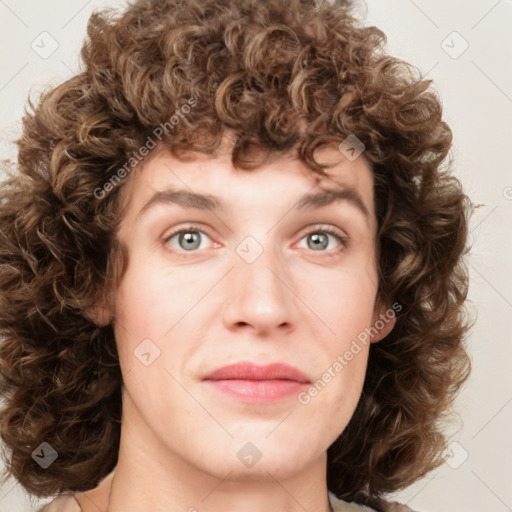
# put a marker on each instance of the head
(236, 123)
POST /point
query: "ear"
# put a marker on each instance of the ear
(384, 319)
(100, 315)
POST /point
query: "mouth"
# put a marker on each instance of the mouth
(251, 383)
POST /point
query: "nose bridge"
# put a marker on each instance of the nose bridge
(258, 293)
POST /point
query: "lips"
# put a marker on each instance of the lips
(250, 371)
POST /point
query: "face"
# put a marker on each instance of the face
(255, 274)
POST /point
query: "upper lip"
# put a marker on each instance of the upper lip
(251, 371)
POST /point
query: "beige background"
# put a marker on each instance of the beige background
(476, 88)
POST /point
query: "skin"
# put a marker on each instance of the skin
(207, 307)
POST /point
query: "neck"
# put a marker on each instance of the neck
(149, 476)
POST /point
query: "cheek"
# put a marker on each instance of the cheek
(136, 331)
(346, 309)
(151, 321)
(140, 299)
(348, 304)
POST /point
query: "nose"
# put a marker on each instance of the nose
(260, 295)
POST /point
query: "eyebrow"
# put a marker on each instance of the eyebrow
(210, 202)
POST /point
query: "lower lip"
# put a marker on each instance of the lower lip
(258, 391)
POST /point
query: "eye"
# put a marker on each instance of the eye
(187, 239)
(318, 239)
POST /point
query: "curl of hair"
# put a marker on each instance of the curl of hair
(280, 76)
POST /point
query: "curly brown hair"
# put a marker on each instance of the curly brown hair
(281, 76)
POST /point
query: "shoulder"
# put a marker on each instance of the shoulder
(63, 503)
(79, 501)
(365, 503)
(339, 505)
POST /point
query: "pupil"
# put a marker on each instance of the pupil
(189, 238)
(318, 243)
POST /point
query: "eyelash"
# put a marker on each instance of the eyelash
(316, 229)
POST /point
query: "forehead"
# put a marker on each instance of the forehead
(283, 180)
